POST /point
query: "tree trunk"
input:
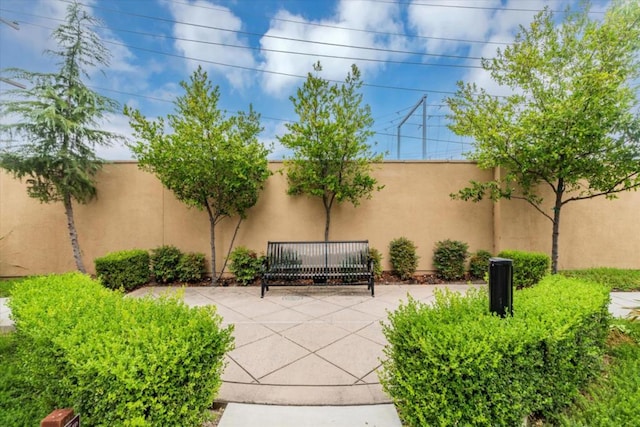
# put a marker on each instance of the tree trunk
(556, 226)
(233, 239)
(212, 242)
(327, 210)
(73, 234)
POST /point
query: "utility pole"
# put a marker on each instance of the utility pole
(422, 101)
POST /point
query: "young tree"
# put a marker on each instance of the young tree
(210, 162)
(58, 120)
(331, 158)
(571, 124)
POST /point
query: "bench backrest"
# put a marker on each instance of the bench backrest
(306, 258)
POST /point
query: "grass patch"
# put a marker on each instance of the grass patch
(617, 279)
(6, 286)
(613, 399)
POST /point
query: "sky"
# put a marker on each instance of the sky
(260, 51)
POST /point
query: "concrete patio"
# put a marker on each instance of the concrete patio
(304, 345)
(316, 348)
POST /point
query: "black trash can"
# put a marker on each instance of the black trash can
(501, 286)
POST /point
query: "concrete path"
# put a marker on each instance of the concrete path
(309, 354)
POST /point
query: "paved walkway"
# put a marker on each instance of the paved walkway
(309, 346)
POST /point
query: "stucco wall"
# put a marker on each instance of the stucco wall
(133, 210)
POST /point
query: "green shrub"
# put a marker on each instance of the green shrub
(479, 263)
(125, 270)
(6, 285)
(117, 360)
(191, 267)
(528, 267)
(245, 265)
(616, 278)
(449, 259)
(376, 259)
(403, 257)
(164, 263)
(453, 363)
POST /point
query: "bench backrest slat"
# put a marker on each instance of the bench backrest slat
(309, 258)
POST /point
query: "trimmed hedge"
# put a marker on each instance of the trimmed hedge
(455, 364)
(479, 263)
(191, 267)
(118, 360)
(245, 264)
(449, 258)
(376, 260)
(403, 257)
(164, 263)
(528, 267)
(126, 270)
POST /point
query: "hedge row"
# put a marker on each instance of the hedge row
(125, 270)
(528, 267)
(118, 360)
(130, 269)
(454, 364)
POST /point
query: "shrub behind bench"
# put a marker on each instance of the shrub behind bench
(454, 364)
(125, 270)
(118, 360)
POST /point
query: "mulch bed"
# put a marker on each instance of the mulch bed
(388, 278)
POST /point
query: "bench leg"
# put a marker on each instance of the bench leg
(263, 288)
(371, 285)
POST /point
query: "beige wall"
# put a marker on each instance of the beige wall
(133, 210)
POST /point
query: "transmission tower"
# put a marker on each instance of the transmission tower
(422, 101)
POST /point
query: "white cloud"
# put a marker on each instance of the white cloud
(452, 22)
(375, 17)
(204, 14)
(119, 124)
(469, 20)
(269, 138)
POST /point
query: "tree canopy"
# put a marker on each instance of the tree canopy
(209, 161)
(56, 121)
(571, 123)
(331, 159)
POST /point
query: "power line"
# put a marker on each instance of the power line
(172, 21)
(260, 70)
(510, 9)
(340, 27)
(288, 52)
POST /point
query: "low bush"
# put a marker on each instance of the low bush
(479, 263)
(126, 270)
(6, 285)
(403, 257)
(117, 360)
(376, 260)
(617, 279)
(528, 267)
(191, 267)
(164, 263)
(453, 363)
(449, 259)
(245, 265)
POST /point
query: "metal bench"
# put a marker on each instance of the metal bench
(328, 263)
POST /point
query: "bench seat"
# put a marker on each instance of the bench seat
(328, 263)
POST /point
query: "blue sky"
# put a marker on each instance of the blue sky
(256, 51)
